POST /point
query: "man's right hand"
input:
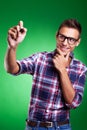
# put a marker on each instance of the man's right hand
(16, 35)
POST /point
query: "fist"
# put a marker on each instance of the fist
(16, 34)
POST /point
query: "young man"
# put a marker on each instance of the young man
(58, 78)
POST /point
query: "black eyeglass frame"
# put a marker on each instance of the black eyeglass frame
(68, 38)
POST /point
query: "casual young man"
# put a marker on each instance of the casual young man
(58, 78)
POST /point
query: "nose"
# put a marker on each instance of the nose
(64, 42)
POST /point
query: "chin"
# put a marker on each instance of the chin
(64, 53)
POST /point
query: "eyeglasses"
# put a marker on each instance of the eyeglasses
(70, 40)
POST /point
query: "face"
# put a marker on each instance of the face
(67, 39)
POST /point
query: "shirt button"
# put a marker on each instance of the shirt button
(47, 110)
(58, 127)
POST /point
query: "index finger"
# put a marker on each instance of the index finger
(67, 55)
(21, 24)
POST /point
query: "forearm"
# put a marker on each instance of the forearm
(67, 88)
(11, 65)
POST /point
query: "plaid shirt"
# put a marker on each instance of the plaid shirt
(47, 102)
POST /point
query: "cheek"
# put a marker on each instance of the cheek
(72, 48)
(58, 44)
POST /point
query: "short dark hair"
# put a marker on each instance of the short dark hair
(71, 23)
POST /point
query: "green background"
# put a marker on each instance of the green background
(41, 18)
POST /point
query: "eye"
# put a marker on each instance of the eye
(72, 40)
(61, 36)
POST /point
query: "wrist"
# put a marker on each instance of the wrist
(11, 47)
(62, 71)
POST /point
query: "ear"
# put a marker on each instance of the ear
(78, 42)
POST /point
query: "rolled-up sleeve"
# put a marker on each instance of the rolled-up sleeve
(27, 65)
(79, 90)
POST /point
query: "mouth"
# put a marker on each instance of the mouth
(63, 49)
